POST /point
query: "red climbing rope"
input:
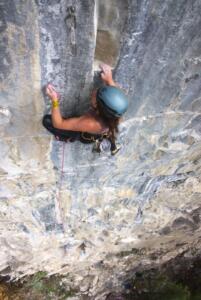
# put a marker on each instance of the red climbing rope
(58, 198)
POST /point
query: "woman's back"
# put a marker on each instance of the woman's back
(100, 126)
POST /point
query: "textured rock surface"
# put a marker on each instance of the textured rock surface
(111, 18)
(146, 198)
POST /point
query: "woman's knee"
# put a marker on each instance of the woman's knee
(47, 121)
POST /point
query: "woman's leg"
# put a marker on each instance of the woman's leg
(114, 147)
(60, 133)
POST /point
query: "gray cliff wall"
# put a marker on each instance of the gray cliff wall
(146, 198)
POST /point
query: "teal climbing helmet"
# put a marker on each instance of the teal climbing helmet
(113, 101)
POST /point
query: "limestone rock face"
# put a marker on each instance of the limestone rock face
(99, 216)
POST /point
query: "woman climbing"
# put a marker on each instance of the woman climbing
(108, 104)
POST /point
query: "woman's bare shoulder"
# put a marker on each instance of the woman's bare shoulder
(91, 123)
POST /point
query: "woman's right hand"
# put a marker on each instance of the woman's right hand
(51, 92)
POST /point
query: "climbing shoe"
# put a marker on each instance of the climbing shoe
(115, 149)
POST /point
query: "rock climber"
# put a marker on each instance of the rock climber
(108, 104)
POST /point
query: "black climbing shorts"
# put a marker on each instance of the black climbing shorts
(60, 133)
(64, 135)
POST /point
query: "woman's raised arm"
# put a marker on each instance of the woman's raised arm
(84, 123)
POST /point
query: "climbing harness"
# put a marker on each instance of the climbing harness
(86, 137)
(102, 142)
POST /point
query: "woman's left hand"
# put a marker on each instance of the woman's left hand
(106, 74)
(51, 92)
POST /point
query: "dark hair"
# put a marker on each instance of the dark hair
(111, 121)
